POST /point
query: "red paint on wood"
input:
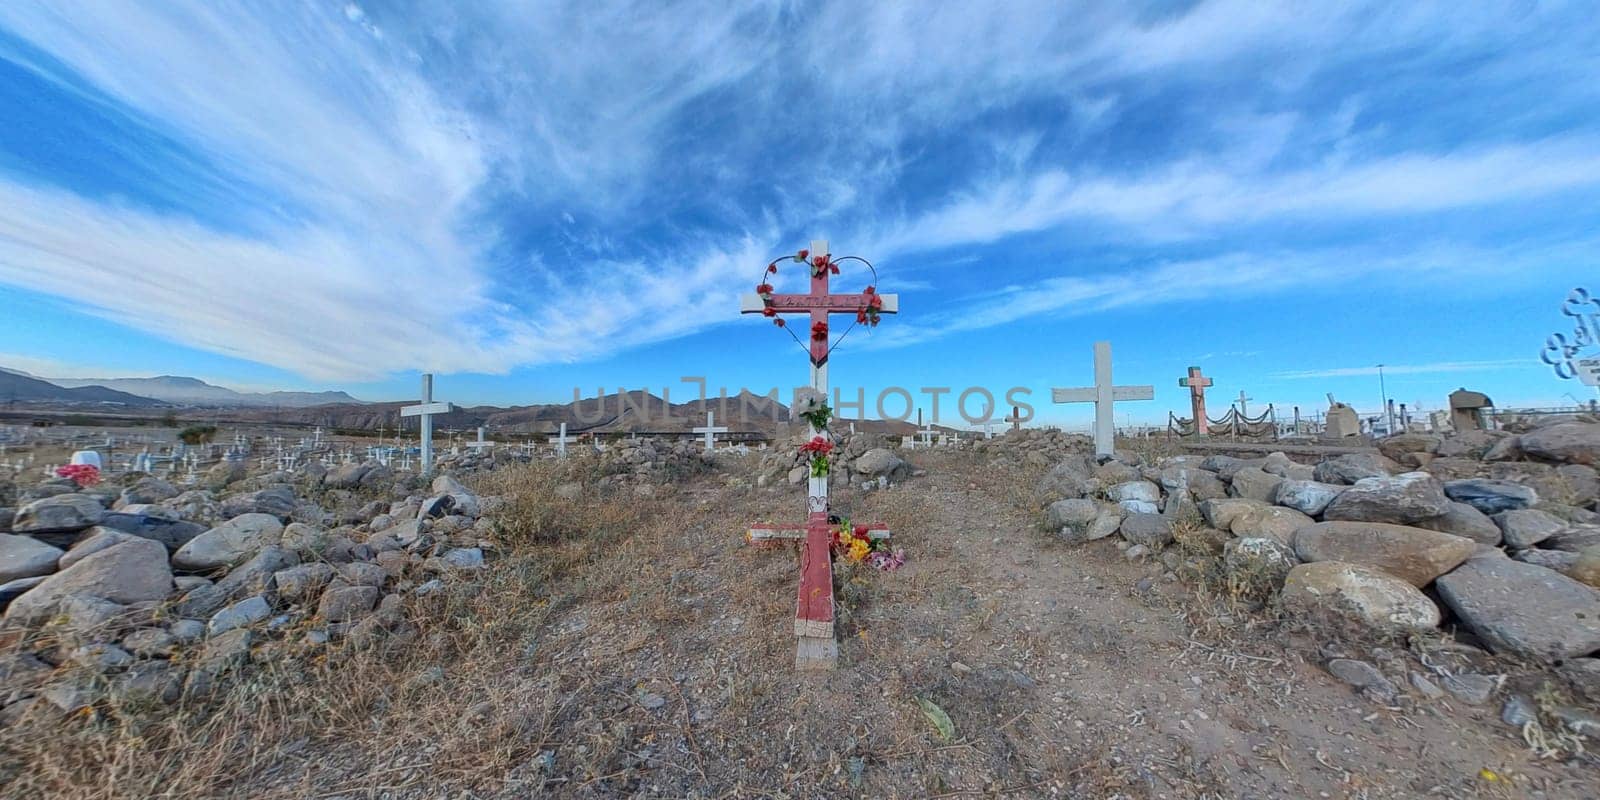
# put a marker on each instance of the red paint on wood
(816, 572)
(1197, 384)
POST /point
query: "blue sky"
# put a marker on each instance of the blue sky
(528, 197)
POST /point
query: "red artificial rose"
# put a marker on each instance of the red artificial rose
(820, 261)
(870, 290)
(769, 311)
(772, 269)
(819, 331)
(861, 316)
(802, 255)
(875, 302)
(765, 288)
(778, 322)
(818, 444)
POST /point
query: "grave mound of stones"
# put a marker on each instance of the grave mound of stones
(1493, 534)
(156, 591)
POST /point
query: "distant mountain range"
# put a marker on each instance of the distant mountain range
(17, 387)
(168, 389)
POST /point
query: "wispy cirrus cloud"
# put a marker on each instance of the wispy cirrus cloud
(348, 191)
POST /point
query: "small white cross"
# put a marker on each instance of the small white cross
(561, 441)
(1244, 410)
(482, 443)
(710, 430)
(1103, 394)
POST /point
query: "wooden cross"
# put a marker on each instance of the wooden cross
(815, 647)
(1103, 394)
(710, 430)
(1244, 410)
(1015, 419)
(426, 409)
(1197, 383)
(561, 441)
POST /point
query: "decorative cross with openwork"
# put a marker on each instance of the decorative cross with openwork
(1196, 384)
(815, 646)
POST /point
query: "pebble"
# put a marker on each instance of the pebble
(1518, 711)
(651, 701)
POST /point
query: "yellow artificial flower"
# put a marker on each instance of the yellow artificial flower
(859, 549)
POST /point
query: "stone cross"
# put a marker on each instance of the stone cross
(426, 409)
(561, 441)
(711, 430)
(815, 646)
(1196, 384)
(1244, 408)
(1103, 394)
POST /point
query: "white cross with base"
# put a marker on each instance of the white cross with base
(1103, 394)
(426, 409)
(482, 443)
(710, 430)
(561, 441)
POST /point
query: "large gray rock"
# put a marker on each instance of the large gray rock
(1306, 497)
(1524, 609)
(255, 575)
(1349, 468)
(1201, 485)
(25, 557)
(147, 490)
(1078, 520)
(1415, 555)
(1558, 560)
(877, 462)
(346, 603)
(1464, 520)
(94, 540)
(1566, 442)
(1151, 530)
(1398, 446)
(1402, 499)
(133, 571)
(1526, 527)
(1136, 497)
(1573, 538)
(1582, 484)
(347, 476)
(1361, 593)
(242, 614)
(304, 583)
(61, 513)
(279, 501)
(1268, 522)
(1253, 483)
(154, 522)
(1490, 496)
(1257, 563)
(230, 543)
(1069, 479)
(1220, 512)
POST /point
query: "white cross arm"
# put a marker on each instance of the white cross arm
(1088, 394)
(751, 303)
(428, 408)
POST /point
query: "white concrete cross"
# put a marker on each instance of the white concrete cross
(561, 441)
(1244, 410)
(1103, 394)
(426, 409)
(927, 435)
(710, 430)
(482, 443)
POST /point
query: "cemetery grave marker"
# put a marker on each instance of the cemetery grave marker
(815, 646)
(1103, 394)
(1196, 383)
(561, 441)
(711, 429)
(426, 411)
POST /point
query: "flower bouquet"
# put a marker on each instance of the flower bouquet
(856, 545)
(82, 474)
(818, 449)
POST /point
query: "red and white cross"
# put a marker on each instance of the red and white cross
(815, 647)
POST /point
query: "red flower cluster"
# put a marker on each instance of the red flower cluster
(769, 311)
(82, 474)
(764, 289)
(844, 534)
(819, 331)
(822, 264)
(818, 445)
(869, 313)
